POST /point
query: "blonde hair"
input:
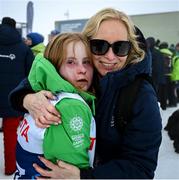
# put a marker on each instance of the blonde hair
(91, 28)
(56, 50)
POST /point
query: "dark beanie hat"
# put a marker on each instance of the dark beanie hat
(9, 21)
(150, 42)
(54, 32)
(36, 38)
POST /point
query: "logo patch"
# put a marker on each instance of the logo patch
(10, 56)
(76, 123)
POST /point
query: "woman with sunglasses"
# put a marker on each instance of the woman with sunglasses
(118, 58)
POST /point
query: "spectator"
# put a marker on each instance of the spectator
(177, 49)
(35, 42)
(15, 62)
(52, 34)
(172, 48)
(175, 71)
(158, 74)
(170, 99)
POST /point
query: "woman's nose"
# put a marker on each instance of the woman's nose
(110, 54)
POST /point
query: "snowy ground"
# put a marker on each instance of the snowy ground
(168, 160)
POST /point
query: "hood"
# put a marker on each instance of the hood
(142, 67)
(39, 48)
(9, 35)
(132, 70)
(43, 76)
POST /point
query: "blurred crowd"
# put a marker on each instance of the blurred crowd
(165, 71)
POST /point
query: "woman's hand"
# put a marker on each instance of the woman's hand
(41, 109)
(60, 171)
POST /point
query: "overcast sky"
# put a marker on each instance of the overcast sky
(46, 12)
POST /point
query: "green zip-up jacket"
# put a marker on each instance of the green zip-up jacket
(39, 48)
(69, 141)
(175, 68)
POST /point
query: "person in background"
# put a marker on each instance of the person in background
(35, 42)
(175, 71)
(15, 62)
(158, 72)
(157, 43)
(53, 34)
(172, 48)
(170, 98)
(65, 69)
(118, 58)
(177, 49)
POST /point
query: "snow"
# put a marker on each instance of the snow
(168, 161)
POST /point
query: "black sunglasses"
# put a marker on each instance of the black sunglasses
(101, 47)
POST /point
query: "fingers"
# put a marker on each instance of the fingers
(48, 117)
(48, 94)
(61, 170)
(43, 172)
(47, 163)
(41, 109)
(41, 122)
(53, 111)
(63, 165)
(48, 110)
(67, 171)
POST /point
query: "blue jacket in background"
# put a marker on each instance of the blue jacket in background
(15, 63)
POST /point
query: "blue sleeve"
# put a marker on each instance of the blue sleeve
(17, 95)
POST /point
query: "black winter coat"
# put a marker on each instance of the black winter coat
(15, 63)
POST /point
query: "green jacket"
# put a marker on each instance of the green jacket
(39, 48)
(175, 68)
(69, 141)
